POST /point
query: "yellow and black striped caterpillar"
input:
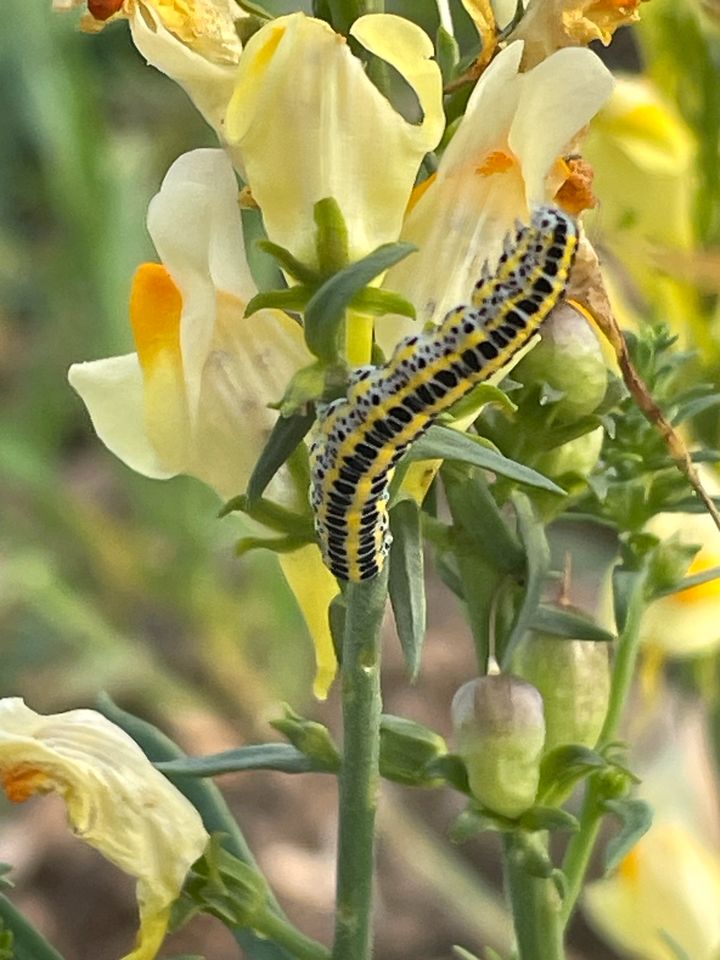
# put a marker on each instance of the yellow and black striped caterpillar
(359, 438)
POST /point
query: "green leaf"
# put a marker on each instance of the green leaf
(264, 756)
(569, 623)
(473, 821)
(565, 766)
(378, 302)
(441, 443)
(290, 298)
(207, 800)
(480, 396)
(475, 511)
(27, 942)
(406, 582)
(447, 53)
(256, 9)
(287, 433)
(537, 552)
(272, 515)
(452, 770)
(636, 818)
(696, 580)
(548, 818)
(288, 544)
(297, 270)
(325, 312)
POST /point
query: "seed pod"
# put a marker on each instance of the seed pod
(499, 733)
(406, 748)
(573, 677)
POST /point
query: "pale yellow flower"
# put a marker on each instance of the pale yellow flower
(504, 157)
(193, 398)
(116, 801)
(308, 124)
(549, 25)
(686, 624)
(669, 884)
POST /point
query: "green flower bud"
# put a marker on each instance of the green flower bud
(311, 738)
(499, 733)
(569, 361)
(406, 748)
(573, 677)
(572, 460)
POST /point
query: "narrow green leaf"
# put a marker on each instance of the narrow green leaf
(379, 302)
(287, 433)
(256, 9)
(569, 623)
(288, 544)
(636, 818)
(474, 509)
(209, 803)
(549, 818)
(292, 298)
(441, 443)
(326, 310)
(28, 943)
(537, 552)
(472, 822)
(407, 582)
(297, 270)
(264, 756)
(696, 580)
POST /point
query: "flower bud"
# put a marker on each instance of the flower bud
(573, 677)
(568, 360)
(499, 733)
(406, 748)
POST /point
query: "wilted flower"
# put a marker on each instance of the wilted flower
(116, 801)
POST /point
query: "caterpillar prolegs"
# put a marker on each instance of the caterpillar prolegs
(359, 438)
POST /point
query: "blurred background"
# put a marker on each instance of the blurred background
(112, 581)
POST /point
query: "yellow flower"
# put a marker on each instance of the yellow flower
(194, 397)
(504, 157)
(549, 25)
(116, 801)
(644, 159)
(686, 624)
(307, 123)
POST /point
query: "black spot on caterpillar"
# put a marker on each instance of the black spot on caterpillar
(359, 438)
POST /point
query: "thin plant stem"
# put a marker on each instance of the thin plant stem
(286, 935)
(582, 843)
(535, 903)
(359, 775)
(28, 943)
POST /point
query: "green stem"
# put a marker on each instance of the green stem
(582, 843)
(535, 904)
(297, 944)
(580, 848)
(359, 775)
(625, 660)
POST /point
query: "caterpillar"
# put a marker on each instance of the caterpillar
(358, 439)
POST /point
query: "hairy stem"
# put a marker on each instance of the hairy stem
(359, 776)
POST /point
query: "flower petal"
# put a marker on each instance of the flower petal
(557, 99)
(195, 224)
(113, 392)
(116, 801)
(494, 167)
(307, 122)
(209, 85)
(314, 588)
(249, 364)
